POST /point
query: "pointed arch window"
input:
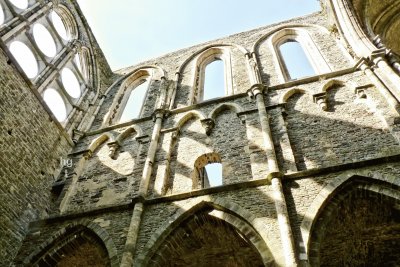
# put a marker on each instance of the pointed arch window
(133, 105)
(296, 54)
(212, 174)
(214, 80)
(213, 75)
(295, 60)
(52, 34)
(208, 171)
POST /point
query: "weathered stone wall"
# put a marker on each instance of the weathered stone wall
(31, 147)
(326, 129)
(111, 227)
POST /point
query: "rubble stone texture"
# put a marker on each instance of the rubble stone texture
(310, 167)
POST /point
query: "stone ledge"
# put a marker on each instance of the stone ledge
(224, 188)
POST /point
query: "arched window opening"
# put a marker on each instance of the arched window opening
(59, 25)
(2, 16)
(77, 247)
(77, 61)
(213, 174)
(135, 102)
(207, 171)
(214, 80)
(21, 4)
(70, 83)
(205, 239)
(295, 60)
(81, 61)
(25, 58)
(44, 40)
(56, 104)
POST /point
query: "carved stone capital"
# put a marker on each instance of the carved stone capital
(76, 45)
(159, 113)
(378, 55)
(208, 125)
(256, 89)
(77, 135)
(321, 101)
(55, 2)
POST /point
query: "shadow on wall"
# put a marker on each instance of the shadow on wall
(359, 220)
(349, 131)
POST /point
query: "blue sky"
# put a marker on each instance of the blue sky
(131, 31)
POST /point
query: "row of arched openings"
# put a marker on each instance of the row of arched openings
(47, 52)
(295, 54)
(356, 217)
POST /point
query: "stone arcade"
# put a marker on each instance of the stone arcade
(310, 165)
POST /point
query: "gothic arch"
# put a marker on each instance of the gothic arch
(300, 35)
(200, 63)
(331, 83)
(129, 82)
(96, 143)
(224, 106)
(258, 43)
(68, 19)
(189, 59)
(195, 76)
(228, 211)
(133, 129)
(71, 232)
(192, 114)
(362, 21)
(199, 175)
(366, 180)
(285, 97)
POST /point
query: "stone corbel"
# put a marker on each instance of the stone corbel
(77, 135)
(113, 149)
(176, 134)
(283, 110)
(242, 117)
(208, 125)
(321, 101)
(360, 91)
(88, 154)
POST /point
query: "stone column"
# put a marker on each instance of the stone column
(172, 94)
(392, 60)
(392, 101)
(131, 238)
(378, 58)
(130, 244)
(163, 94)
(253, 69)
(256, 91)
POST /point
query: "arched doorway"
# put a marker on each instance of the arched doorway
(359, 226)
(203, 239)
(78, 246)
